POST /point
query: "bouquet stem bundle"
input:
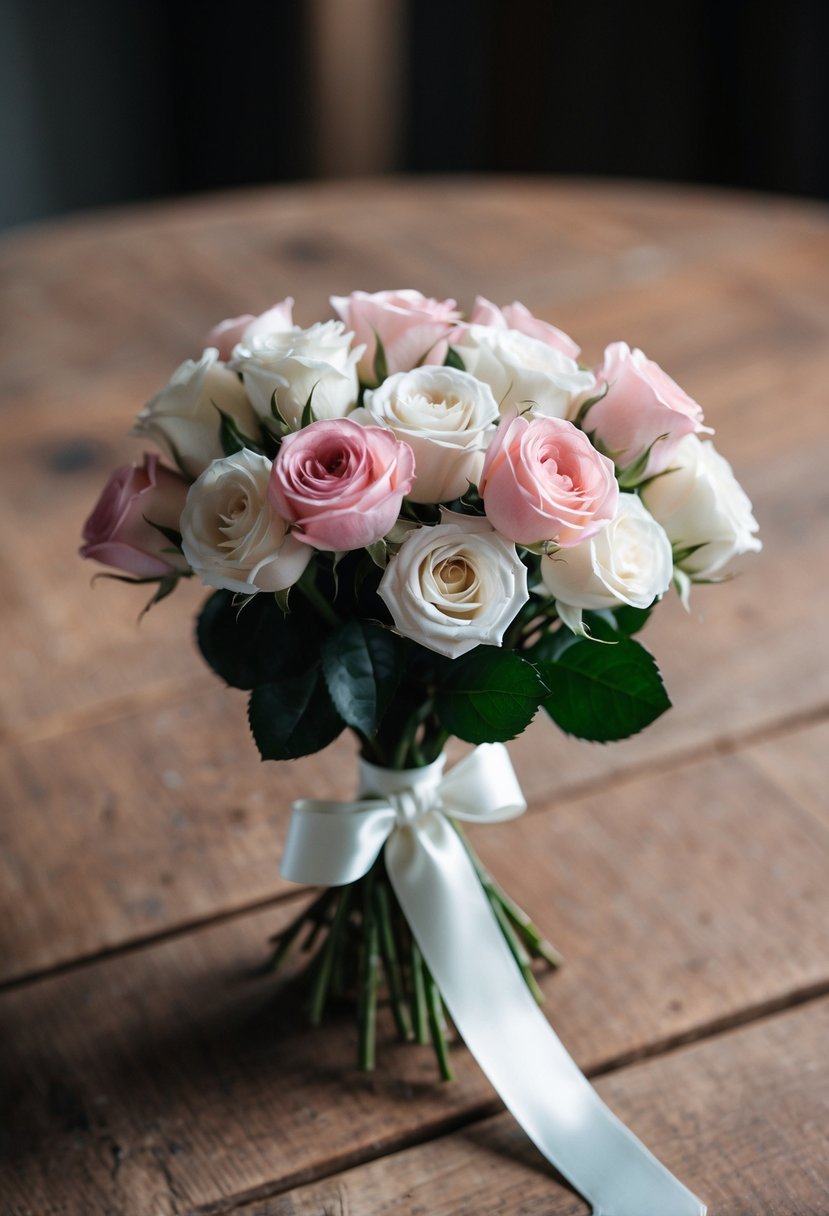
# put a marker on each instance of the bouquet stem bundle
(358, 945)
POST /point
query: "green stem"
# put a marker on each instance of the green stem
(437, 1026)
(407, 734)
(433, 747)
(369, 980)
(312, 593)
(322, 978)
(518, 952)
(390, 961)
(537, 943)
(420, 1013)
(287, 936)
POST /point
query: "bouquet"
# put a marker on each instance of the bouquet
(421, 526)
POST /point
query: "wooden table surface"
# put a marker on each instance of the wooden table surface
(144, 1067)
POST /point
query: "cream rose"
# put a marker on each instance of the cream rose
(523, 371)
(293, 363)
(447, 417)
(628, 562)
(230, 534)
(699, 502)
(183, 418)
(454, 586)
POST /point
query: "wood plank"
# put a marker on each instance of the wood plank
(167, 1078)
(740, 1118)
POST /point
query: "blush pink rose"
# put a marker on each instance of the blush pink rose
(341, 484)
(412, 328)
(117, 532)
(517, 316)
(544, 481)
(642, 409)
(230, 332)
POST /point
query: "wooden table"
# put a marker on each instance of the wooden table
(145, 1068)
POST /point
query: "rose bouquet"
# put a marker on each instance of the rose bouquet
(420, 526)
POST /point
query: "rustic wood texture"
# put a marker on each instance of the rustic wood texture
(682, 872)
(693, 900)
(741, 1118)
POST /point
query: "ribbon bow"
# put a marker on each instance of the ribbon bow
(333, 843)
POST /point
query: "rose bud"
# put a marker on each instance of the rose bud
(118, 533)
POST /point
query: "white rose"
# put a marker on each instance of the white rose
(183, 419)
(295, 362)
(699, 502)
(524, 371)
(628, 562)
(447, 417)
(454, 586)
(230, 534)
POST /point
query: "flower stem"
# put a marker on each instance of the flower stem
(390, 962)
(437, 1026)
(322, 978)
(318, 601)
(407, 735)
(538, 944)
(285, 939)
(518, 952)
(369, 980)
(420, 1013)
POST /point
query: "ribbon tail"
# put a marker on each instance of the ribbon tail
(511, 1039)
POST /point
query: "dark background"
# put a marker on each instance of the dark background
(105, 102)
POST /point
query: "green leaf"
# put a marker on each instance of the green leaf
(276, 413)
(169, 534)
(308, 415)
(166, 586)
(379, 553)
(362, 664)
(293, 718)
(633, 474)
(453, 359)
(231, 438)
(381, 367)
(588, 405)
(255, 643)
(603, 693)
(489, 696)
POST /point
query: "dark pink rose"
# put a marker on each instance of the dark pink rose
(228, 333)
(642, 409)
(517, 316)
(117, 533)
(412, 328)
(544, 480)
(341, 484)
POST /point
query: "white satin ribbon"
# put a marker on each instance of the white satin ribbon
(332, 843)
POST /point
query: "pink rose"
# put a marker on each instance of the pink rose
(544, 480)
(642, 409)
(341, 484)
(412, 328)
(228, 333)
(516, 316)
(117, 532)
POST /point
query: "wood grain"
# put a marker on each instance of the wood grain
(168, 1077)
(740, 1118)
